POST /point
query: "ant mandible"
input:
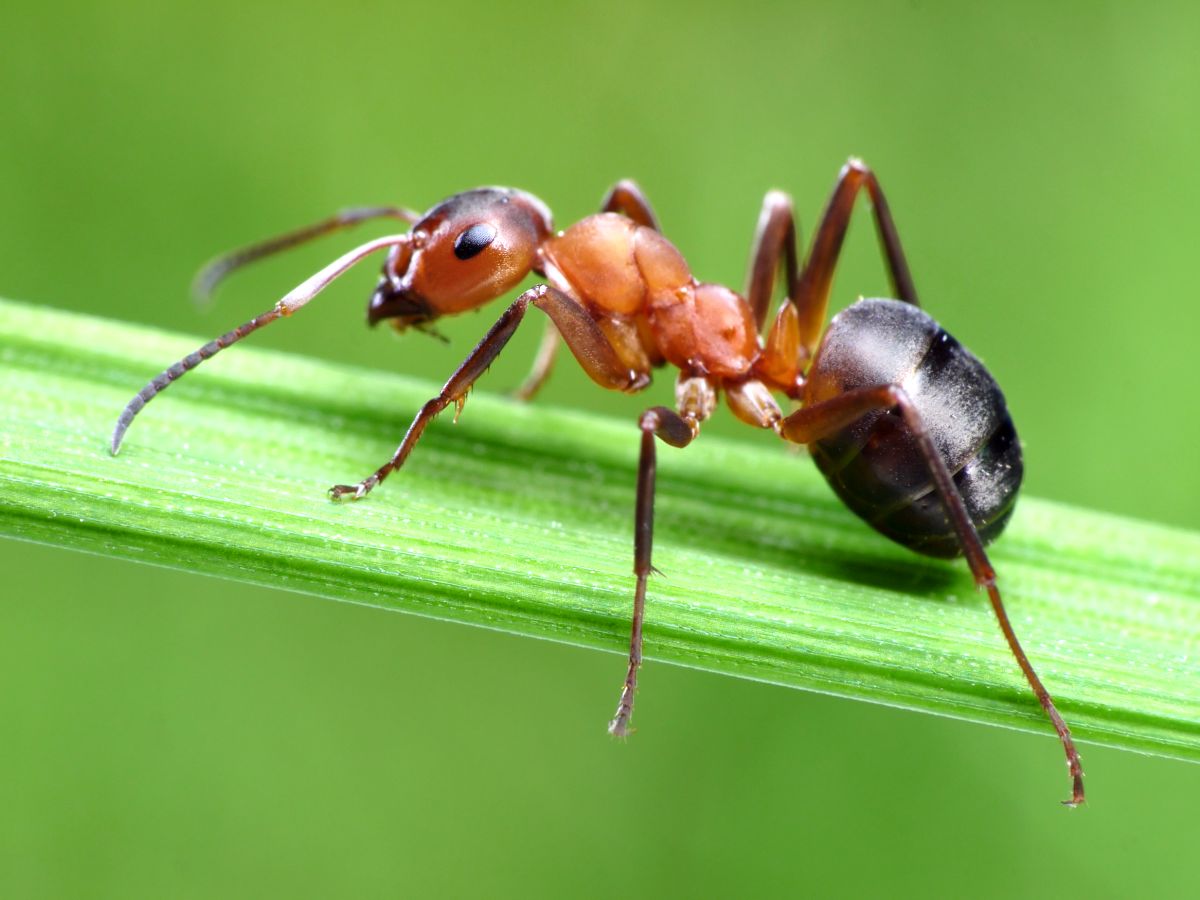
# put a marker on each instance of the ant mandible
(907, 426)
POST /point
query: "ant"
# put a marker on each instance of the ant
(908, 427)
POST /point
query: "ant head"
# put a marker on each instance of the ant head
(465, 251)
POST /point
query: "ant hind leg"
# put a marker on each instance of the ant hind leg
(811, 423)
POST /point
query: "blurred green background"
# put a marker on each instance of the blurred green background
(173, 736)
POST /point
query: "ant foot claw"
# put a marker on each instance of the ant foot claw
(619, 726)
(340, 492)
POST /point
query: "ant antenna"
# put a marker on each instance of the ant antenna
(216, 270)
(288, 304)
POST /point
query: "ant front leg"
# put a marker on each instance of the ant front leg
(696, 398)
(583, 336)
(543, 365)
(831, 416)
(624, 197)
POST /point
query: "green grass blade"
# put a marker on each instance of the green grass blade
(520, 518)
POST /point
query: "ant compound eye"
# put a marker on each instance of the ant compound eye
(474, 240)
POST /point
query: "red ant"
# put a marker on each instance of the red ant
(908, 427)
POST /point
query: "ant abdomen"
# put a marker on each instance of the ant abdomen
(875, 465)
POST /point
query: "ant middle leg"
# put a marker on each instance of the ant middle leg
(624, 197)
(696, 398)
(582, 335)
(794, 335)
(783, 359)
(811, 423)
(774, 238)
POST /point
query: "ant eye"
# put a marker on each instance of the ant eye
(473, 241)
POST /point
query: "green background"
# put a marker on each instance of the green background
(166, 735)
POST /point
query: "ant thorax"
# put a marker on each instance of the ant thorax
(627, 272)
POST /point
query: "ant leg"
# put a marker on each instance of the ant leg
(814, 422)
(775, 236)
(583, 336)
(698, 398)
(216, 270)
(783, 359)
(624, 197)
(811, 295)
(543, 365)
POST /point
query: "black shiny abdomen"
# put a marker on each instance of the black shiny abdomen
(875, 465)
